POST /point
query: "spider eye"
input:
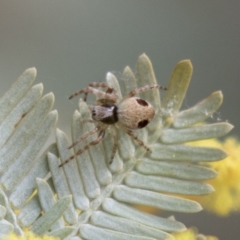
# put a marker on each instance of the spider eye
(143, 123)
(142, 102)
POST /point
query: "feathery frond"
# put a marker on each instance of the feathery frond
(103, 195)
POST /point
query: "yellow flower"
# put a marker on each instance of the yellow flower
(28, 236)
(191, 234)
(226, 198)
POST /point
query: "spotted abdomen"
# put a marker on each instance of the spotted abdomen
(135, 113)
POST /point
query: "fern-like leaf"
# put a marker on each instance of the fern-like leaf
(103, 195)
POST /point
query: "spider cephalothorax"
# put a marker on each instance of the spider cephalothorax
(131, 113)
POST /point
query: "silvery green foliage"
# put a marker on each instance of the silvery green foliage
(103, 195)
(26, 122)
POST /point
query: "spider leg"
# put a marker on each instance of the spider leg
(110, 89)
(143, 89)
(105, 101)
(89, 121)
(115, 145)
(140, 142)
(80, 151)
(92, 88)
(84, 136)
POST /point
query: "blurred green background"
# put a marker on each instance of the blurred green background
(72, 43)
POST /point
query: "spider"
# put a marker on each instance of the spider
(130, 114)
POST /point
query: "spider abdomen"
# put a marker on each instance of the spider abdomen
(135, 113)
